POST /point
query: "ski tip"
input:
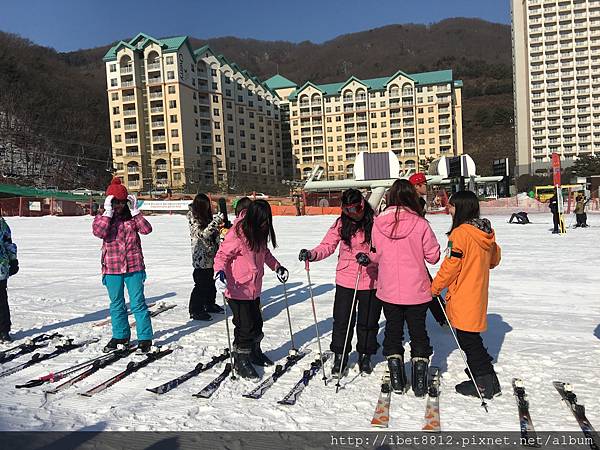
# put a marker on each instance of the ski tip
(85, 394)
(153, 390)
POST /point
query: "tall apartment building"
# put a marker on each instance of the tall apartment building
(189, 119)
(416, 116)
(556, 52)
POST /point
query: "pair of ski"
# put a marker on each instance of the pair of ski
(528, 435)
(432, 424)
(29, 346)
(162, 307)
(37, 358)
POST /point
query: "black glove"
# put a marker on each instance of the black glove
(282, 274)
(13, 267)
(305, 255)
(363, 259)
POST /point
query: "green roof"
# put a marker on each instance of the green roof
(279, 82)
(170, 44)
(12, 190)
(378, 84)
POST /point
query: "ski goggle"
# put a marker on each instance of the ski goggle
(354, 210)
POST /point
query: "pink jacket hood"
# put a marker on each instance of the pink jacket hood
(401, 249)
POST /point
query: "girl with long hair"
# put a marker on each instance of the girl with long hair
(472, 251)
(119, 227)
(403, 242)
(204, 235)
(352, 232)
(239, 270)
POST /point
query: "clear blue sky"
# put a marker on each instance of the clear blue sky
(72, 24)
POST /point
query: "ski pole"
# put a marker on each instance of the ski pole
(339, 375)
(228, 337)
(314, 310)
(483, 403)
(293, 350)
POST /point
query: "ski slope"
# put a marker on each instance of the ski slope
(544, 317)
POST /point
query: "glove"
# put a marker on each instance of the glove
(282, 274)
(363, 259)
(220, 282)
(305, 255)
(13, 267)
(134, 205)
(108, 210)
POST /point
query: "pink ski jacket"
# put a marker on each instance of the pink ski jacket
(243, 268)
(347, 267)
(401, 250)
(121, 246)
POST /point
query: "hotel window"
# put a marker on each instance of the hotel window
(171, 89)
(174, 133)
(169, 59)
(117, 124)
(175, 147)
(113, 67)
(114, 96)
(172, 103)
(173, 119)
(113, 82)
(170, 75)
(176, 161)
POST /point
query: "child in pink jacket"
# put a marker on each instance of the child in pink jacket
(403, 240)
(352, 231)
(239, 270)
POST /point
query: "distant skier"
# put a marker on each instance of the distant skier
(9, 266)
(403, 241)
(123, 264)
(419, 181)
(204, 235)
(352, 231)
(520, 217)
(472, 251)
(553, 205)
(580, 214)
(239, 270)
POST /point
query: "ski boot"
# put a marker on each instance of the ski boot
(144, 347)
(243, 366)
(214, 308)
(114, 343)
(5, 337)
(397, 373)
(420, 368)
(202, 315)
(488, 385)
(364, 363)
(258, 357)
(338, 366)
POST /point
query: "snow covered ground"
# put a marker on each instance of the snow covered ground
(544, 320)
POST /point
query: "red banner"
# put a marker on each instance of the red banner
(556, 168)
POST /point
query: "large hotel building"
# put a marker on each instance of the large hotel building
(416, 116)
(189, 119)
(556, 52)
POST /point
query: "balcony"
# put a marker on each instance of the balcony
(158, 124)
(161, 167)
(155, 80)
(132, 152)
(129, 112)
(159, 138)
(131, 141)
(126, 69)
(206, 141)
(126, 84)
(128, 98)
(157, 109)
(130, 126)
(156, 94)
(160, 151)
(133, 169)
(153, 66)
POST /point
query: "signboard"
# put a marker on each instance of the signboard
(556, 168)
(35, 206)
(164, 205)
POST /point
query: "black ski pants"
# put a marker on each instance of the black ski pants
(204, 292)
(4, 310)
(556, 221)
(247, 322)
(367, 324)
(478, 358)
(414, 317)
(581, 219)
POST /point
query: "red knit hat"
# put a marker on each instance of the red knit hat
(117, 189)
(417, 178)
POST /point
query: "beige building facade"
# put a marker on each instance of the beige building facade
(190, 119)
(556, 60)
(417, 116)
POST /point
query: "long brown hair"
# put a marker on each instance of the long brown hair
(403, 194)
